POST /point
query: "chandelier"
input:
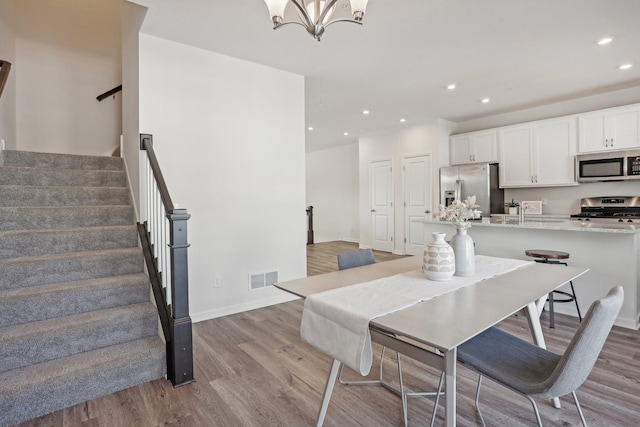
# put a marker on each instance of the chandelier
(315, 15)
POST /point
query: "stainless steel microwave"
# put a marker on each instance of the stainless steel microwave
(608, 166)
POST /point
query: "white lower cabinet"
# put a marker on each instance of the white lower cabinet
(538, 154)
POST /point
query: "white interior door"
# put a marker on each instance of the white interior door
(381, 186)
(417, 201)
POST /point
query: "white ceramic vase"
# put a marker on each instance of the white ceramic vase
(462, 245)
(439, 260)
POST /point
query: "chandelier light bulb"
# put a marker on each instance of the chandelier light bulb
(314, 15)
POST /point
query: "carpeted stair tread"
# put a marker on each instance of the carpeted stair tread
(76, 321)
(49, 241)
(37, 342)
(43, 388)
(24, 195)
(57, 268)
(35, 217)
(17, 175)
(62, 161)
(33, 303)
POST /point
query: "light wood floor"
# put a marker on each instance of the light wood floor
(253, 370)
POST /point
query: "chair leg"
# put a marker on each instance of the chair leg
(478, 401)
(435, 404)
(367, 382)
(575, 399)
(535, 409)
(552, 322)
(575, 299)
(404, 396)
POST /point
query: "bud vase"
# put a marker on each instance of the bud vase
(439, 260)
(462, 245)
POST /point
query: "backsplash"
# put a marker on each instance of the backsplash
(566, 200)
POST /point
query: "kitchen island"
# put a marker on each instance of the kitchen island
(610, 252)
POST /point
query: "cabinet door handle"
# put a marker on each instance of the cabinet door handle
(606, 142)
(612, 142)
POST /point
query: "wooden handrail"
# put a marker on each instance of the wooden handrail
(109, 93)
(146, 144)
(5, 67)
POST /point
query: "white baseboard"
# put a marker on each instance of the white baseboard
(398, 252)
(350, 240)
(239, 308)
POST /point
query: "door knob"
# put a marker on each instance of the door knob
(373, 210)
(427, 211)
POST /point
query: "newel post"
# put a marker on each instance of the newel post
(180, 351)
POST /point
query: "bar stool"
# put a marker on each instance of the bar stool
(553, 257)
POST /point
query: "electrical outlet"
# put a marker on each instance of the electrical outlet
(217, 281)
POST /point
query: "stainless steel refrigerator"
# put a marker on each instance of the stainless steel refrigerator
(481, 180)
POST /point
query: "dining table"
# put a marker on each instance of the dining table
(431, 330)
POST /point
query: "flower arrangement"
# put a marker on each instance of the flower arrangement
(459, 213)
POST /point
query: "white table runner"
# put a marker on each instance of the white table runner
(337, 321)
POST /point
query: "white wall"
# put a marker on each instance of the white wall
(229, 136)
(132, 18)
(8, 53)
(395, 144)
(67, 53)
(332, 189)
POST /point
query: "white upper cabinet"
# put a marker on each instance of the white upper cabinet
(610, 129)
(474, 147)
(538, 154)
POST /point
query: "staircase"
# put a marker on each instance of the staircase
(76, 321)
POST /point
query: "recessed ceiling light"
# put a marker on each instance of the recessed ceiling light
(403, 120)
(452, 86)
(365, 112)
(625, 66)
(605, 40)
(485, 100)
(346, 134)
(310, 128)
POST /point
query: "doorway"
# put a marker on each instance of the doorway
(381, 188)
(417, 201)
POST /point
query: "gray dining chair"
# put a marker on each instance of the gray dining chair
(535, 372)
(360, 258)
(357, 258)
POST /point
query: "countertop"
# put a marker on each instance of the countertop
(550, 222)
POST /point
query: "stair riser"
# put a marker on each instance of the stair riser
(15, 195)
(54, 387)
(33, 243)
(33, 272)
(33, 218)
(52, 177)
(60, 161)
(102, 331)
(23, 307)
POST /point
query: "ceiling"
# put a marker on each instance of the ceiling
(519, 53)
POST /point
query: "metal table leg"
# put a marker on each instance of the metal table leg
(450, 358)
(328, 389)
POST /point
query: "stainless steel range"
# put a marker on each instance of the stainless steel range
(609, 210)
